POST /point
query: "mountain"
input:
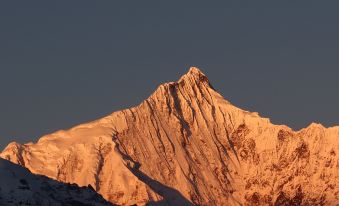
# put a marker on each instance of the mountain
(187, 145)
(20, 187)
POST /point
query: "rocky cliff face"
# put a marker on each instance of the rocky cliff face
(186, 145)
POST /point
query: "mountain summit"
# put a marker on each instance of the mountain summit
(187, 145)
(196, 75)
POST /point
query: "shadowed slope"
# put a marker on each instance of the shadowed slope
(20, 187)
(170, 196)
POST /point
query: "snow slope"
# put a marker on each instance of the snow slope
(20, 187)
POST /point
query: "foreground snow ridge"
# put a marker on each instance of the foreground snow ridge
(187, 145)
(20, 187)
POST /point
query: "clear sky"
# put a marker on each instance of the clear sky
(67, 62)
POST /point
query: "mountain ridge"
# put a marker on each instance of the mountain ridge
(19, 187)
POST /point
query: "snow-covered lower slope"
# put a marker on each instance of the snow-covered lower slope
(20, 187)
(187, 145)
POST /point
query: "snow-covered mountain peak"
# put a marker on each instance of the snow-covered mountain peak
(187, 145)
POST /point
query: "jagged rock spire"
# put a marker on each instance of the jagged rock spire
(194, 84)
(194, 72)
(195, 76)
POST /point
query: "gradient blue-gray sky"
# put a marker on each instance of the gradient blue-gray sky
(67, 62)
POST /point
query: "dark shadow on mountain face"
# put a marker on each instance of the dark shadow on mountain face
(170, 195)
(18, 186)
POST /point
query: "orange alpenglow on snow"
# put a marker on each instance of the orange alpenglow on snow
(187, 145)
